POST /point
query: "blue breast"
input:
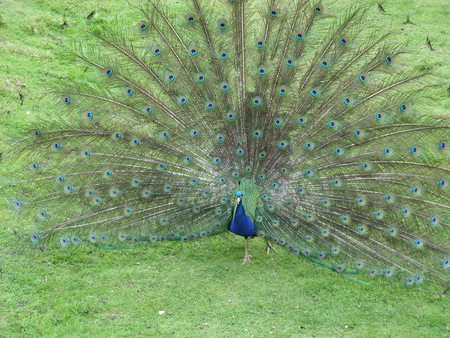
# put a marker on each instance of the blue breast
(242, 224)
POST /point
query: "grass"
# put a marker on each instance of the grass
(201, 286)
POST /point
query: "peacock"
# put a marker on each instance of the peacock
(272, 119)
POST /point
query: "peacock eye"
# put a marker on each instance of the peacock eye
(108, 71)
(193, 50)
(190, 18)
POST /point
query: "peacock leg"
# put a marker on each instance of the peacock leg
(246, 255)
(269, 247)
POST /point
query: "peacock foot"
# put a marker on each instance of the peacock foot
(246, 259)
(269, 248)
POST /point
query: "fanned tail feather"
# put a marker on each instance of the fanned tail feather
(317, 121)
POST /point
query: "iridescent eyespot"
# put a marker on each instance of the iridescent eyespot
(142, 26)
(222, 24)
(282, 144)
(157, 51)
(289, 62)
(257, 101)
(362, 229)
(418, 243)
(443, 145)
(299, 36)
(362, 78)
(89, 114)
(273, 12)
(434, 220)
(108, 71)
(190, 18)
(257, 134)
(193, 50)
(130, 91)
(404, 106)
(324, 64)
(171, 77)
(388, 59)
(224, 55)
(231, 116)
(343, 41)
(200, 77)
(220, 138)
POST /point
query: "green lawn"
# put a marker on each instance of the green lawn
(201, 286)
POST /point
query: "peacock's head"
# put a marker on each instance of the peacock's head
(239, 195)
